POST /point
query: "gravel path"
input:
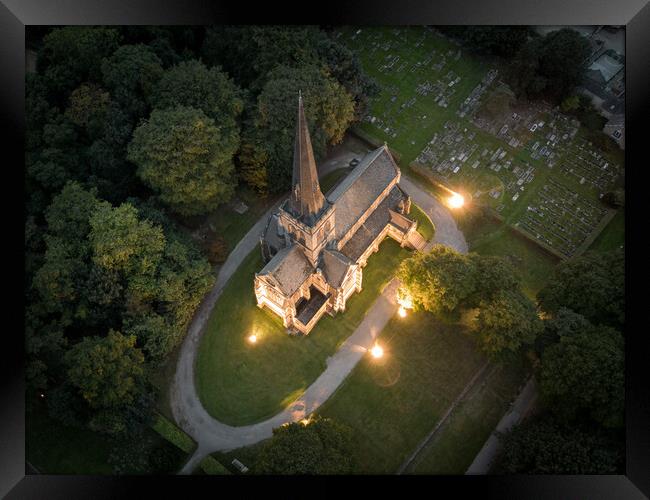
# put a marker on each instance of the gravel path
(212, 435)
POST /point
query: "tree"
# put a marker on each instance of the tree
(506, 322)
(121, 242)
(502, 41)
(321, 446)
(130, 75)
(615, 198)
(182, 154)
(73, 54)
(263, 47)
(592, 285)
(584, 371)
(439, 281)
(192, 84)
(551, 66)
(344, 65)
(492, 275)
(87, 107)
(545, 445)
(106, 370)
(328, 108)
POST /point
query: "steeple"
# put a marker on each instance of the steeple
(306, 200)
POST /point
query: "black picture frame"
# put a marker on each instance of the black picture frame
(16, 481)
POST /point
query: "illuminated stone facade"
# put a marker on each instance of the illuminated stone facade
(315, 246)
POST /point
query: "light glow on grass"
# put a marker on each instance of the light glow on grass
(252, 338)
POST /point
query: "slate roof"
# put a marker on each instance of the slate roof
(306, 202)
(400, 221)
(361, 188)
(373, 225)
(335, 265)
(289, 268)
(271, 236)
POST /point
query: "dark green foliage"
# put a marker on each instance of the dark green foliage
(74, 54)
(145, 453)
(504, 41)
(545, 445)
(321, 446)
(446, 282)
(592, 285)
(192, 84)
(584, 371)
(182, 154)
(506, 322)
(329, 110)
(550, 66)
(108, 268)
(106, 371)
(87, 108)
(440, 281)
(615, 199)
(130, 75)
(262, 47)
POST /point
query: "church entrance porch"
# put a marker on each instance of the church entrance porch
(308, 312)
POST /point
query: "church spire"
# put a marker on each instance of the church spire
(306, 199)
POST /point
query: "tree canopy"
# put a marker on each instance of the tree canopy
(592, 285)
(545, 445)
(107, 269)
(267, 148)
(321, 446)
(192, 84)
(550, 66)
(584, 371)
(182, 154)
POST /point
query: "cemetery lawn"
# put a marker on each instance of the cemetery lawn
(239, 383)
(543, 179)
(454, 447)
(394, 402)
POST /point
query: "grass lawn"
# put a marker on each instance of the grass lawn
(613, 236)
(487, 236)
(425, 226)
(239, 383)
(453, 448)
(393, 403)
(54, 448)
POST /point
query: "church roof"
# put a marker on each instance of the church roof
(399, 221)
(306, 201)
(335, 266)
(373, 225)
(288, 269)
(361, 188)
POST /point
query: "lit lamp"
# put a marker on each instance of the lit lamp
(252, 338)
(377, 351)
(456, 200)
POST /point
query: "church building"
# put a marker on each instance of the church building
(315, 246)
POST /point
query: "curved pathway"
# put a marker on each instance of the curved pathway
(212, 435)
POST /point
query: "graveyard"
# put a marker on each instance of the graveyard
(451, 119)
